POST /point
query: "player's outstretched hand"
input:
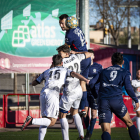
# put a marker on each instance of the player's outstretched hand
(36, 76)
(137, 106)
(72, 52)
(87, 82)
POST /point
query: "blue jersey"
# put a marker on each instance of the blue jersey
(94, 72)
(76, 39)
(112, 79)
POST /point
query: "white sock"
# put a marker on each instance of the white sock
(41, 121)
(64, 128)
(138, 124)
(79, 125)
(42, 132)
(134, 119)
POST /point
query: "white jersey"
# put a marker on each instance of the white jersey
(73, 63)
(54, 79)
(136, 87)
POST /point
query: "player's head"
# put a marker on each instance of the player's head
(138, 74)
(117, 59)
(92, 56)
(62, 20)
(57, 60)
(64, 50)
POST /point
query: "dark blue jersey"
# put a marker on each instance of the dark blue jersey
(94, 72)
(112, 79)
(76, 39)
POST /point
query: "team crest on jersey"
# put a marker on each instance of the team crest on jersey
(94, 70)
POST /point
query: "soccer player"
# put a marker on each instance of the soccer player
(112, 79)
(76, 40)
(94, 71)
(72, 92)
(49, 97)
(136, 86)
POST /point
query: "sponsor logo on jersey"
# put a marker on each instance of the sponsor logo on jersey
(111, 85)
(94, 70)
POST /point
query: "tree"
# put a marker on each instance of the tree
(123, 38)
(112, 15)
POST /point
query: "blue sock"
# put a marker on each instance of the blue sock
(86, 121)
(83, 100)
(133, 132)
(106, 136)
(92, 123)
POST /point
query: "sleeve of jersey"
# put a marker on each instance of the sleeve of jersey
(68, 73)
(40, 78)
(81, 56)
(94, 81)
(128, 87)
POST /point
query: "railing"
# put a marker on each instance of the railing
(5, 105)
(18, 110)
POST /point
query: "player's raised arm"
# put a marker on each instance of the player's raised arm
(80, 77)
(128, 87)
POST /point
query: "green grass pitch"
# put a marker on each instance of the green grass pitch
(55, 134)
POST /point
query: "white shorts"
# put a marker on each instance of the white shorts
(71, 100)
(133, 103)
(49, 104)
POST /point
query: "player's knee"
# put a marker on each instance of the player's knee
(53, 121)
(138, 113)
(107, 130)
(93, 116)
(129, 123)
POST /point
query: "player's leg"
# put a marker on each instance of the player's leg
(105, 115)
(43, 129)
(138, 120)
(85, 64)
(83, 100)
(64, 124)
(78, 122)
(42, 132)
(74, 111)
(106, 131)
(93, 105)
(86, 117)
(137, 117)
(133, 133)
(91, 125)
(121, 112)
(49, 111)
(65, 105)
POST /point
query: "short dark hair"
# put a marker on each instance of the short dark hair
(117, 59)
(64, 48)
(91, 51)
(63, 16)
(57, 60)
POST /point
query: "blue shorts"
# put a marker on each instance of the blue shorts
(85, 64)
(108, 106)
(91, 102)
